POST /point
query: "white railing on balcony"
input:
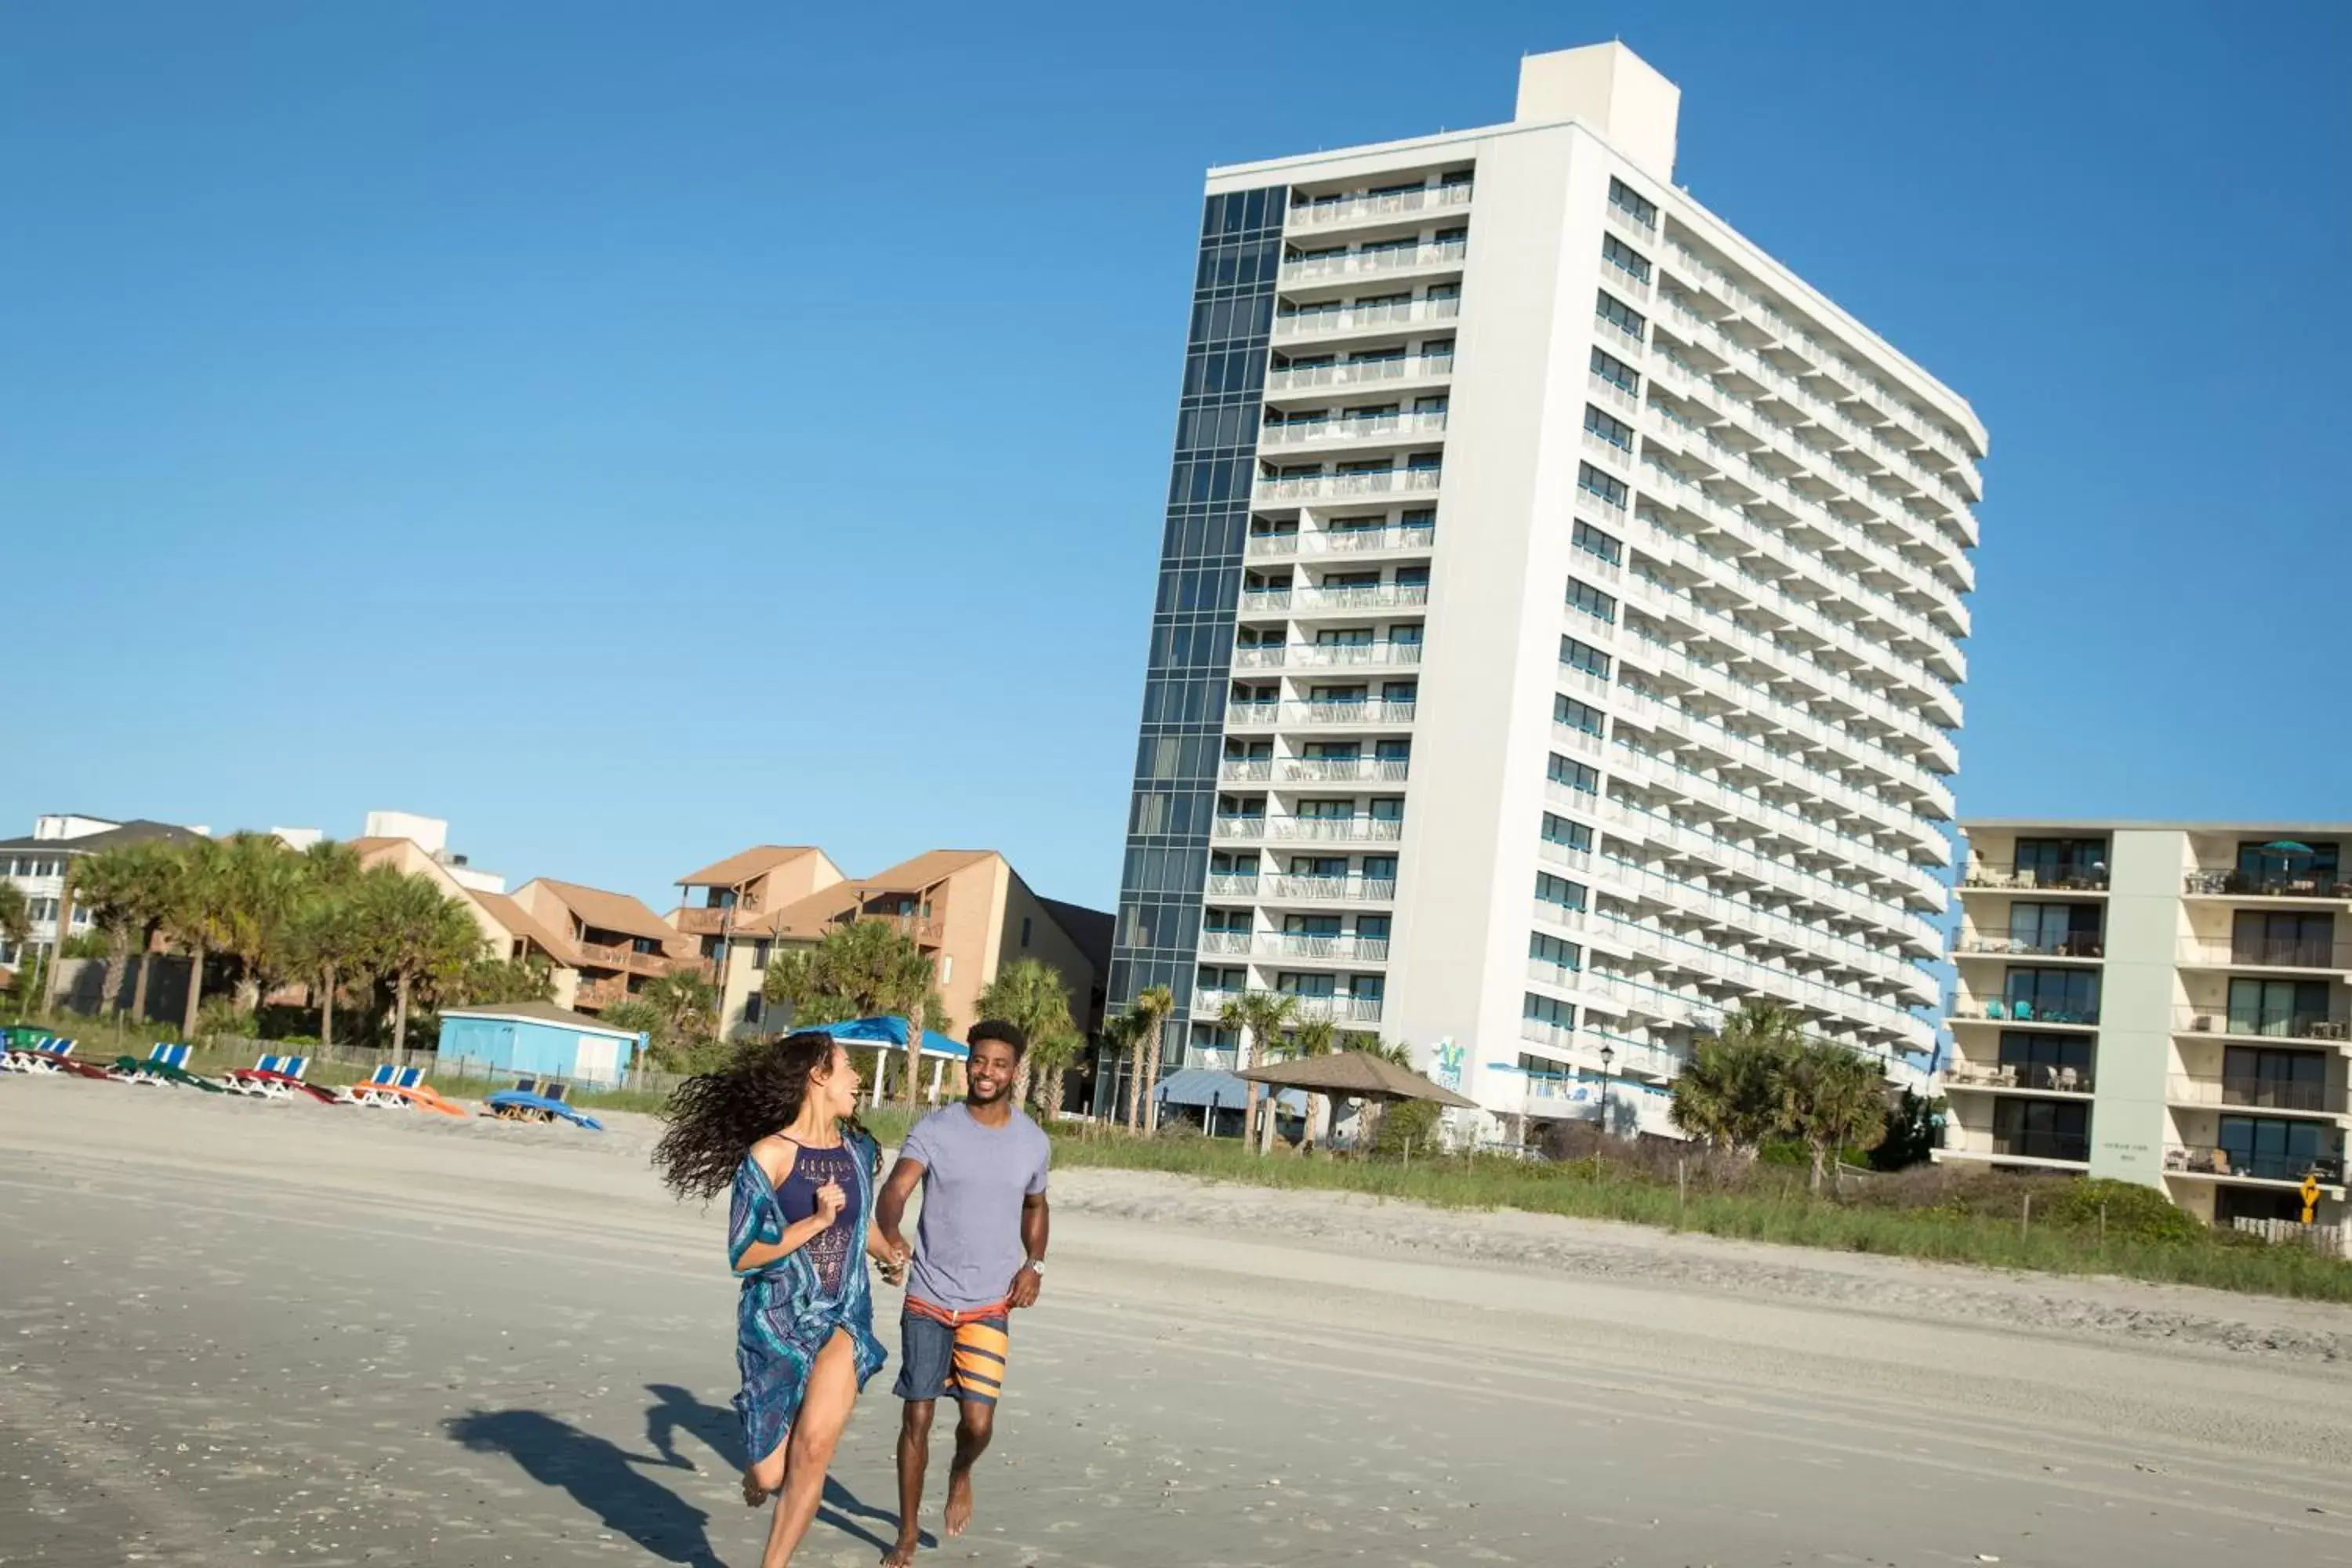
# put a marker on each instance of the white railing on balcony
(1365, 318)
(1353, 656)
(1372, 596)
(1330, 486)
(1610, 394)
(1359, 372)
(1261, 715)
(1619, 339)
(1339, 829)
(1558, 854)
(1327, 769)
(1223, 885)
(1426, 198)
(1374, 260)
(1226, 944)
(1350, 949)
(1231, 827)
(1306, 432)
(1348, 889)
(1345, 541)
(1558, 915)
(1247, 771)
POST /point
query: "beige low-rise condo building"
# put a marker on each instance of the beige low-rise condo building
(2158, 1003)
(968, 908)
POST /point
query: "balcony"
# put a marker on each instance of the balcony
(1351, 541)
(1229, 828)
(1373, 263)
(1332, 213)
(2264, 952)
(2020, 1078)
(1332, 889)
(1359, 372)
(1324, 949)
(2047, 1147)
(1302, 602)
(2249, 1093)
(715, 920)
(1998, 1011)
(2238, 1164)
(1386, 427)
(2262, 1025)
(1351, 656)
(1248, 771)
(1339, 830)
(2321, 885)
(2010, 877)
(1209, 1001)
(1348, 715)
(599, 994)
(2081, 945)
(1225, 884)
(598, 955)
(1273, 488)
(1322, 769)
(1364, 319)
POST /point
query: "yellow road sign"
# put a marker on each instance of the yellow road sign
(2310, 1197)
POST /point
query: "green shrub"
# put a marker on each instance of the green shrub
(222, 1016)
(1406, 1125)
(2130, 1212)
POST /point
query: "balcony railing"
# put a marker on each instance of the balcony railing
(2035, 879)
(1358, 263)
(1422, 199)
(1290, 944)
(1259, 715)
(2256, 1093)
(713, 918)
(2269, 885)
(2000, 1010)
(2036, 1076)
(1208, 1003)
(1320, 769)
(2265, 952)
(1343, 601)
(2021, 1145)
(1358, 373)
(1365, 318)
(1340, 486)
(1350, 542)
(2261, 1024)
(1339, 829)
(1241, 828)
(1344, 656)
(599, 994)
(1301, 432)
(1348, 890)
(2206, 1160)
(1225, 886)
(2071, 945)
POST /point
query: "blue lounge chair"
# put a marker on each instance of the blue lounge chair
(277, 1077)
(539, 1101)
(166, 1063)
(52, 1054)
(365, 1093)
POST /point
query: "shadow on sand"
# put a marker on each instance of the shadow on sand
(616, 1485)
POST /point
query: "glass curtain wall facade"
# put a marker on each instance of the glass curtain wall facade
(1190, 659)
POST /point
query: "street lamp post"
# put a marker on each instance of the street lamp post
(1608, 1056)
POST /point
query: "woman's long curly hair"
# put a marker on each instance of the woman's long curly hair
(715, 1117)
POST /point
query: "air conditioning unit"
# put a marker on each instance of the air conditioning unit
(2202, 1023)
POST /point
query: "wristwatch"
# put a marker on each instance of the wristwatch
(1036, 1266)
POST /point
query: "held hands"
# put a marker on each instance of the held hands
(891, 1260)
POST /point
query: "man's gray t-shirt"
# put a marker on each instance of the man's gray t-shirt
(968, 1245)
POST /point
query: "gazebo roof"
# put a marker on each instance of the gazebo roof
(1355, 1074)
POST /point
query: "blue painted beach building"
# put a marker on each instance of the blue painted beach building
(535, 1039)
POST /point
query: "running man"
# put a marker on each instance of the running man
(979, 1253)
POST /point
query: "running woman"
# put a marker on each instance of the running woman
(778, 1128)
(979, 1253)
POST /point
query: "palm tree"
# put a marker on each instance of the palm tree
(1729, 1092)
(201, 892)
(413, 935)
(1258, 1019)
(110, 883)
(326, 943)
(266, 884)
(1313, 1037)
(1032, 995)
(486, 981)
(1831, 1099)
(1152, 1005)
(17, 926)
(862, 970)
(1121, 1040)
(686, 1002)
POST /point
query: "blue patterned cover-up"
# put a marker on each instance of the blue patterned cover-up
(786, 1317)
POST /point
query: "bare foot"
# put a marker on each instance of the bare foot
(755, 1494)
(958, 1514)
(903, 1554)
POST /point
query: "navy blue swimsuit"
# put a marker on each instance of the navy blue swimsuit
(829, 1250)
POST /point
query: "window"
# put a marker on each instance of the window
(2268, 867)
(1400, 692)
(2053, 996)
(2272, 1149)
(1631, 203)
(1608, 487)
(1371, 928)
(2042, 1129)
(1548, 1010)
(1391, 751)
(755, 1007)
(1561, 830)
(1337, 694)
(1593, 541)
(1388, 808)
(2045, 1061)
(1368, 987)
(1584, 596)
(1551, 950)
(1309, 925)
(2072, 930)
(1584, 657)
(1291, 983)
(1616, 371)
(2283, 936)
(1614, 431)
(1576, 775)
(1417, 517)
(1326, 810)
(2274, 1080)
(1624, 257)
(1318, 864)
(1618, 314)
(1551, 889)
(1025, 931)
(1413, 576)
(1577, 715)
(1380, 867)
(759, 955)
(2056, 861)
(2288, 1008)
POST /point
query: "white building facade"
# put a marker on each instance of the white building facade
(2166, 1004)
(1559, 618)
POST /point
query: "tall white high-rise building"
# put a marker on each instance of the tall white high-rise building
(1559, 623)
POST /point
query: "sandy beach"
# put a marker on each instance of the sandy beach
(233, 1331)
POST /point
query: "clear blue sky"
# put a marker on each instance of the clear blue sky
(632, 431)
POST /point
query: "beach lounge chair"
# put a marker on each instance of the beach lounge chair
(366, 1093)
(545, 1101)
(166, 1064)
(54, 1054)
(277, 1077)
(408, 1087)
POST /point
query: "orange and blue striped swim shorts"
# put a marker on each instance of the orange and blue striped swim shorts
(945, 1353)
